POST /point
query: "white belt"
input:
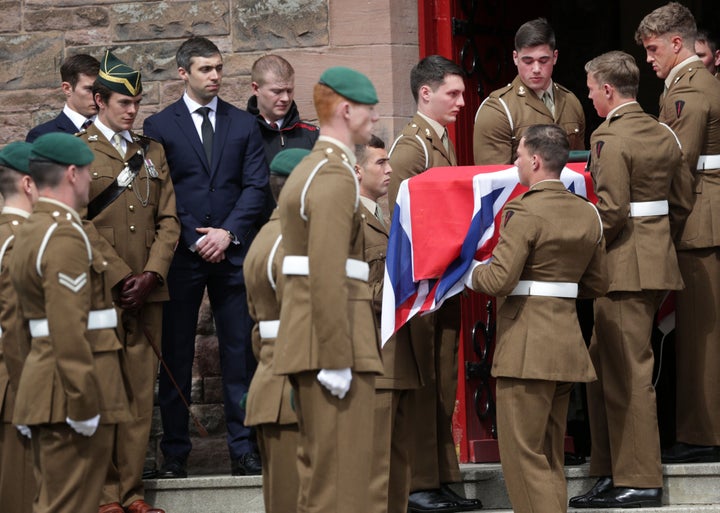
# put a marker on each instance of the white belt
(545, 288)
(268, 329)
(300, 266)
(708, 162)
(97, 320)
(648, 208)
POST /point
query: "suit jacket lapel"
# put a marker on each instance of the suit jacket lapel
(186, 125)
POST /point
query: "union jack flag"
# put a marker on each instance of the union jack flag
(444, 219)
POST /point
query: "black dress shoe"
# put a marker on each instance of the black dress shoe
(622, 497)
(603, 484)
(431, 500)
(246, 465)
(463, 503)
(149, 473)
(172, 469)
(689, 453)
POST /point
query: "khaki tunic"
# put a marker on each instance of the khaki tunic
(692, 109)
(17, 482)
(540, 346)
(506, 113)
(434, 337)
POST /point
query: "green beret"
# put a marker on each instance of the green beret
(16, 155)
(62, 148)
(286, 160)
(351, 84)
(118, 76)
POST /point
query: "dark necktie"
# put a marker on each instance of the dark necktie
(86, 124)
(274, 125)
(207, 132)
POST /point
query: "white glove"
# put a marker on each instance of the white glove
(337, 381)
(24, 430)
(84, 427)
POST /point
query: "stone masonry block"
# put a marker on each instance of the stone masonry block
(11, 20)
(265, 24)
(207, 357)
(45, 18)
(137, 21)
(30, 60)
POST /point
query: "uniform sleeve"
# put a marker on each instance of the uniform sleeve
(595, 281)
(492, 135)
(407, 159)
(611, 180)
(330, 209)
(15, 342)
(680, 198)
(67, 288)
(517, 238)
(167, 224)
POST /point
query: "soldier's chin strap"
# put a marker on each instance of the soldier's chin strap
(116, 188)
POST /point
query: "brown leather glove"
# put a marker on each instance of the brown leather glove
(136, 289)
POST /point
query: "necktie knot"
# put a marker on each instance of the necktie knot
(86, 124)
(117, 143)
(274, 125)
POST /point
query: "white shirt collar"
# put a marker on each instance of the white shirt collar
(192, 105)
(16, 211)
(109, 132)
(77, 118)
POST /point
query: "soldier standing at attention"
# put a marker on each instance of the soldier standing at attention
(437, 86)
(532, 98)
(690, 105)
(644, 194)
(550, 252)
(269, 402)
(17, 482)
(72, 390)
(140, 222)
(328, 342)
(78, 73)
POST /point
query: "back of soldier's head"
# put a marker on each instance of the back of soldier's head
(618, 69)
(551, 143)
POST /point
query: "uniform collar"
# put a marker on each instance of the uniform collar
(347, 151)
(438, 127)
(15, 211)
(62, 205)
(673, 72)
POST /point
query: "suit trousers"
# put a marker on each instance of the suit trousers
(390, 473)
(70, 467)
(17, 480)
(124, 482)
(621, 404)
(188, 278)
(697, 350)
(335, 444)
(433, 456)
(531, 419)
(278, 450)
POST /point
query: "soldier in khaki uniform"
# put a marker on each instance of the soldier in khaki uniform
(328, 342)
(72, 391)
(550, 252)
(269, 402)
(691, 107)
(142, 227)
(437, 85)
(644, 194)
(532, 98)
(17, 483)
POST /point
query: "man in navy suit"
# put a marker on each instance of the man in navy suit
(217, 164)
(78, 73)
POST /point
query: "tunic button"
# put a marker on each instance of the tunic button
(95, 175)
(105, 262)
(132, 208)
(207, 216)
(132, 227)
(130, 186)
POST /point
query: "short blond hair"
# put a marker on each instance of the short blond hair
(274, 64)
(673, 18)
(618, 69)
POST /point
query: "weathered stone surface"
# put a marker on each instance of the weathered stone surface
(28, 61)
(84, 38)
(35, 100)
(209, 456)
(213, 390)
(211, 416)
(12, 127)
(206, 324)
(265, 24)
(11, 19)
(65, 19)
(153, 20)
(207, 358)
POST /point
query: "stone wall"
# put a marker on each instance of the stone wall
(377, 37)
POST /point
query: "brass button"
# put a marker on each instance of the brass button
(130, 186)
(132, 208)
(132, 227)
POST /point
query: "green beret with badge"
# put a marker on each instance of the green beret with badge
(61, 148)
(16, 156)
(350, 84)
(118, 76)
(285, 161)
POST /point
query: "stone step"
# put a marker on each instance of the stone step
(690, 487)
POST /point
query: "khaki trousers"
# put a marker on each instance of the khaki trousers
(335, 444)
(278, 450)
(124, 478)
(621, 404)
(17, 480)
(697, 348)
(71, 467)
(531, 419)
